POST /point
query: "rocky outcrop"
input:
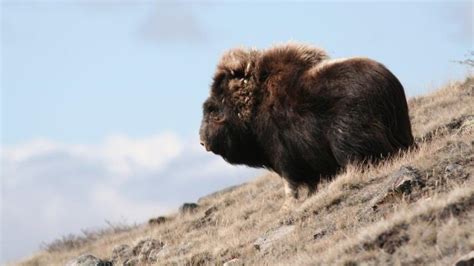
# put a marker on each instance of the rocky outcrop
(188, 208)
(264, 242)
(88, 260)
(157, 220)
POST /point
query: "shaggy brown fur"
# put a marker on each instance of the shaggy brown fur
(293, 110)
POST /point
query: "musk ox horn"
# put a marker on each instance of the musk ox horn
(247, 69)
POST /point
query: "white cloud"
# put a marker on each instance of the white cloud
(124, 156)
(24, 151)
(120, 155)
(51, 189)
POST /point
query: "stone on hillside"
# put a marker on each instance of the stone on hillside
(210, 211)
(401, 181)
(154, 255)
(319, 234)
(453, 168)
(234, 262)
(466, 260)
(463, 124)
(158, 220)
(405, 179)
(203, 258)
(468, 125)
(132, 262)
(145, 247)
(188, 208)
(266, 241)
(184, 248)
(88, 260)
(121, 253)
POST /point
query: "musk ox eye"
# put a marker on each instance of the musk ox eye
(214, 113)
(217, 116)
(210, 108)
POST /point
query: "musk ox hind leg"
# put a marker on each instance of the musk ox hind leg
(312, 187)
(291, 194)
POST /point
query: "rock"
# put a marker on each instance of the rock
(88, 260)
(145, 247)
(234, 262)
(453, 168)
(401, 181)
(463, 124)
(143, 258)
(204, 258)
(405, 179)
(121, 253)
(132, 262)
(319, 234)
(188, 208)
(266, 241)
(466, 260)
(210, 211)
(154, 255)
(204, 220)
(184, 248)
(158, 220)
(468, 125)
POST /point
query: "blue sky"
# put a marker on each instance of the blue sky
(77, 71)
(101, 100)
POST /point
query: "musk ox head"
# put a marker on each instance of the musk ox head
(227, 113)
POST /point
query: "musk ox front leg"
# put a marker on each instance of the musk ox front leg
(291, 194)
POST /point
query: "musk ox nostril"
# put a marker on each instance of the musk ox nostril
(204, 144)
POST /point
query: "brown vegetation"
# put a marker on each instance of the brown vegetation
(416, 208)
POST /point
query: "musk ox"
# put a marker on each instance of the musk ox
(293, 110)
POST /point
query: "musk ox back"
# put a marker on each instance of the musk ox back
(293, 110)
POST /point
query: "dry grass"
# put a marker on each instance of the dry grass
(356, 218)
(71, 241)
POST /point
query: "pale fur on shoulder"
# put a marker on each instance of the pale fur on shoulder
(330, 62)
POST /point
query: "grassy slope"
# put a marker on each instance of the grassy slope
(351, 219)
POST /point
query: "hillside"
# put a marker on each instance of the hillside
(417, 208)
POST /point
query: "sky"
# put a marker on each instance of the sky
(101, 100)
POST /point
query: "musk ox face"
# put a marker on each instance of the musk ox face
(217, 126)
(225, 127)
(221, 133)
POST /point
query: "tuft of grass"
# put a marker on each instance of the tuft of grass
(72, 241)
